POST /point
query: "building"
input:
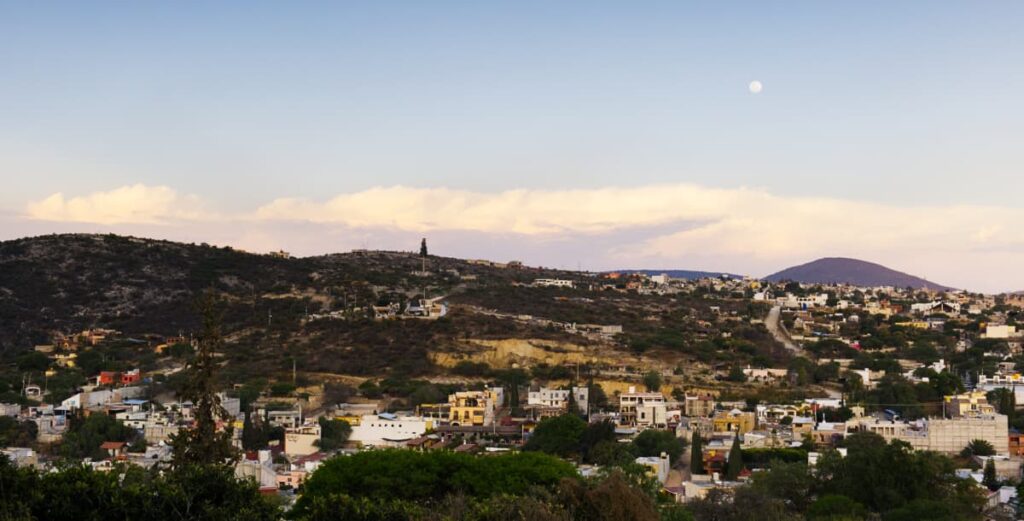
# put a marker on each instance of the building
(554, 283)
(972, 403)
(643, 409)
(947, 435)
(657, 466)
(302, 441)
(475, 407)
(735, 420)
(765, 375)
(389, 430)
(699, 406)
(288, 419)
(1000, 331)
(559, 398)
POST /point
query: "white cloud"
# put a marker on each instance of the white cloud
(135, 204)
(680, 225)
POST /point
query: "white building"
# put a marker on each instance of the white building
(791, 301)
(643, 409)
(554, 283)
(389, 430)
(658, 466)
(559, 398)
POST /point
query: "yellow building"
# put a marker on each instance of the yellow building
(474, 407)
(971, 403)
(734, 421)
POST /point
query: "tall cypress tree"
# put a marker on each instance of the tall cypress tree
(203, 444)
(735, 466)
(989, 478)
(696, 454)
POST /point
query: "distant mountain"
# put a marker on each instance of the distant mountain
(851, 271)
(683, 274)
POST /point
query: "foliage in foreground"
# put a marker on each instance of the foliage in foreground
(77, 493)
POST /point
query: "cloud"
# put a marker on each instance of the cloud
(135, 204)
(741, 230)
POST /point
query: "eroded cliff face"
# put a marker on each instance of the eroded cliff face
(520, 352)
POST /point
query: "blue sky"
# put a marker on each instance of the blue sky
(238, 105)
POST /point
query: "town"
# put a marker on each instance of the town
(757, 376)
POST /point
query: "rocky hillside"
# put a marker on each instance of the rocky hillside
(851, 271)
(275, 308)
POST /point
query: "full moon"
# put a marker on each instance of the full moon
(755, 87)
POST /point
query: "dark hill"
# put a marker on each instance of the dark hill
(142, 287)
(851, 271)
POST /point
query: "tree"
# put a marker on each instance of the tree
(652, 381)
(559, 436)
(832, 507)
(423, 247)
(978, 447)
(33, 361)
(654, 442)
(990, 479)
(596, 399)
(735, 464)
(203, 444)
(333, 433)
(789, 481)
(513, 379)
(736, 375)
(254, 433)
(1005, 402)
(595, 434)
(696, 454)
(85, 435)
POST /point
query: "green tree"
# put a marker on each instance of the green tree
(735, 462)
(559, 436)
(203, 444)
(990, 479)
(333, 433)
(33, 361)
(596, 399)
(696, 454)
(513, 379)
(1004, 401)
(253, 437)
(978, 447)
(594, 434)
(653, 442)
(85, 435)
(833, 507)
(652, 381)
(736, 374)
(788, 481)
(423, 247)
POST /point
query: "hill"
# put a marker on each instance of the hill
(318, 310)
(851, 271)
(683, 274)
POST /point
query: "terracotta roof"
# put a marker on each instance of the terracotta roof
(112, 445)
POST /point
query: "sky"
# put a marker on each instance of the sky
(593, 135)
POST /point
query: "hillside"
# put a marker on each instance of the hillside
(316, 311)
(850, 271)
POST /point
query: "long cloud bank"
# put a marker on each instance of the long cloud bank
(691, 222)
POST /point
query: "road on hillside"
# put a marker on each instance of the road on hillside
(774, 324)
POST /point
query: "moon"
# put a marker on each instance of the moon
(755, 87)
